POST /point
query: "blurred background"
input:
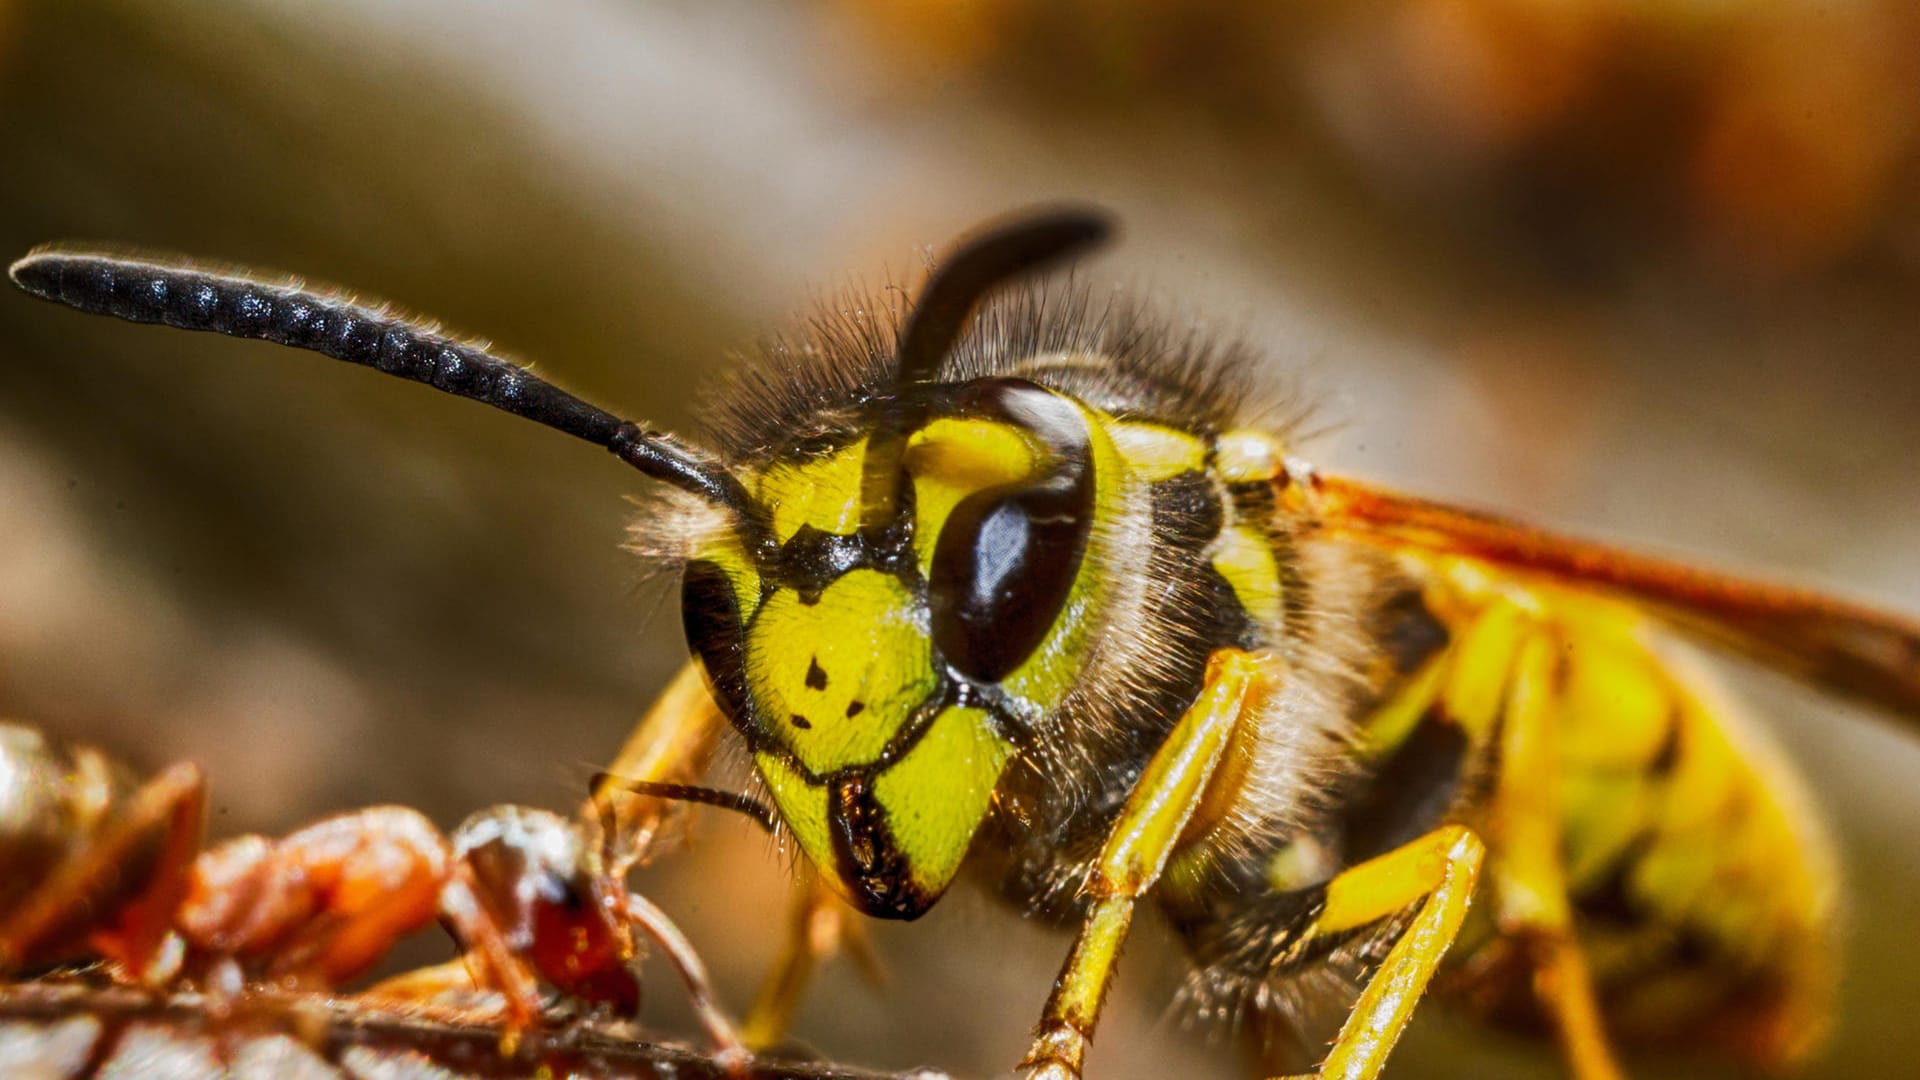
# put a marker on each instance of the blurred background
(1647, 269)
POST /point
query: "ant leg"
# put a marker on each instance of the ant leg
(680, 953)
(492, 962)
(173, 804)
(436, 984)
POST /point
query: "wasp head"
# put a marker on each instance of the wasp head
(903, 603)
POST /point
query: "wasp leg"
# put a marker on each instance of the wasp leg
(174, 803)
(672, 744)
(1434, 878)
(819, 924)
(1528, 869)
(1148, 829)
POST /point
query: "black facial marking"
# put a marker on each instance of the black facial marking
(813, 559)
(800, 722)
(855, 708)
(868, 858)
(816, 676)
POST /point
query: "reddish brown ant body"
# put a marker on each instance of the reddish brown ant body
(102, 867)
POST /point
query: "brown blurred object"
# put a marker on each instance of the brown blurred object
(71, 1030)
(1807, 141)
(1758, 143)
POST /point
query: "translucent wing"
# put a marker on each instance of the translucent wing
(1832, 644)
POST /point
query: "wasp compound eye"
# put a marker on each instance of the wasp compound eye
(710, 612)
(1008, 556)
(1002, 571)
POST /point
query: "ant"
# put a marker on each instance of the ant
(102, 866)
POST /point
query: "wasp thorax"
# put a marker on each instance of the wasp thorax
(903, 621)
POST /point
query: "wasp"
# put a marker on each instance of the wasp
(101, 865)
(1011, 582)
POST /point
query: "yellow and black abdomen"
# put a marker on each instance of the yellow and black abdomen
(1701, 882)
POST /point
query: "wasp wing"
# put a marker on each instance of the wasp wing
(1829, 643)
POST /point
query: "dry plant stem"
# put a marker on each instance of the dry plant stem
(74, 1029)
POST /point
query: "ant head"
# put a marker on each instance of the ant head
(530, 870)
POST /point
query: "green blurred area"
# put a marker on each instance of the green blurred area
(1502, 253)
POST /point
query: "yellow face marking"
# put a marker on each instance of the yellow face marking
(803, 807)
(950, 459)
(1246, 559)
(1154, 453)
(1247, 457)
(725, 551)
(834, 680)
(970, 454)
(821, 492)
(936, 796)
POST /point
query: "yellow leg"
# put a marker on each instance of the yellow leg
(672, 744)
(819, 925)
(1143, 838)
(1527, 867)
(1437, 873)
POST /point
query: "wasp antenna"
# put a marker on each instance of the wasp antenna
(1021, 244)
(243, 304)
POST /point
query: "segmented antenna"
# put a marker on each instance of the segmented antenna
(241, 304)
(998, 254)
(1021, 244)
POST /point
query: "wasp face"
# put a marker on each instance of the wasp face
(913, 610)
(882, 619)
